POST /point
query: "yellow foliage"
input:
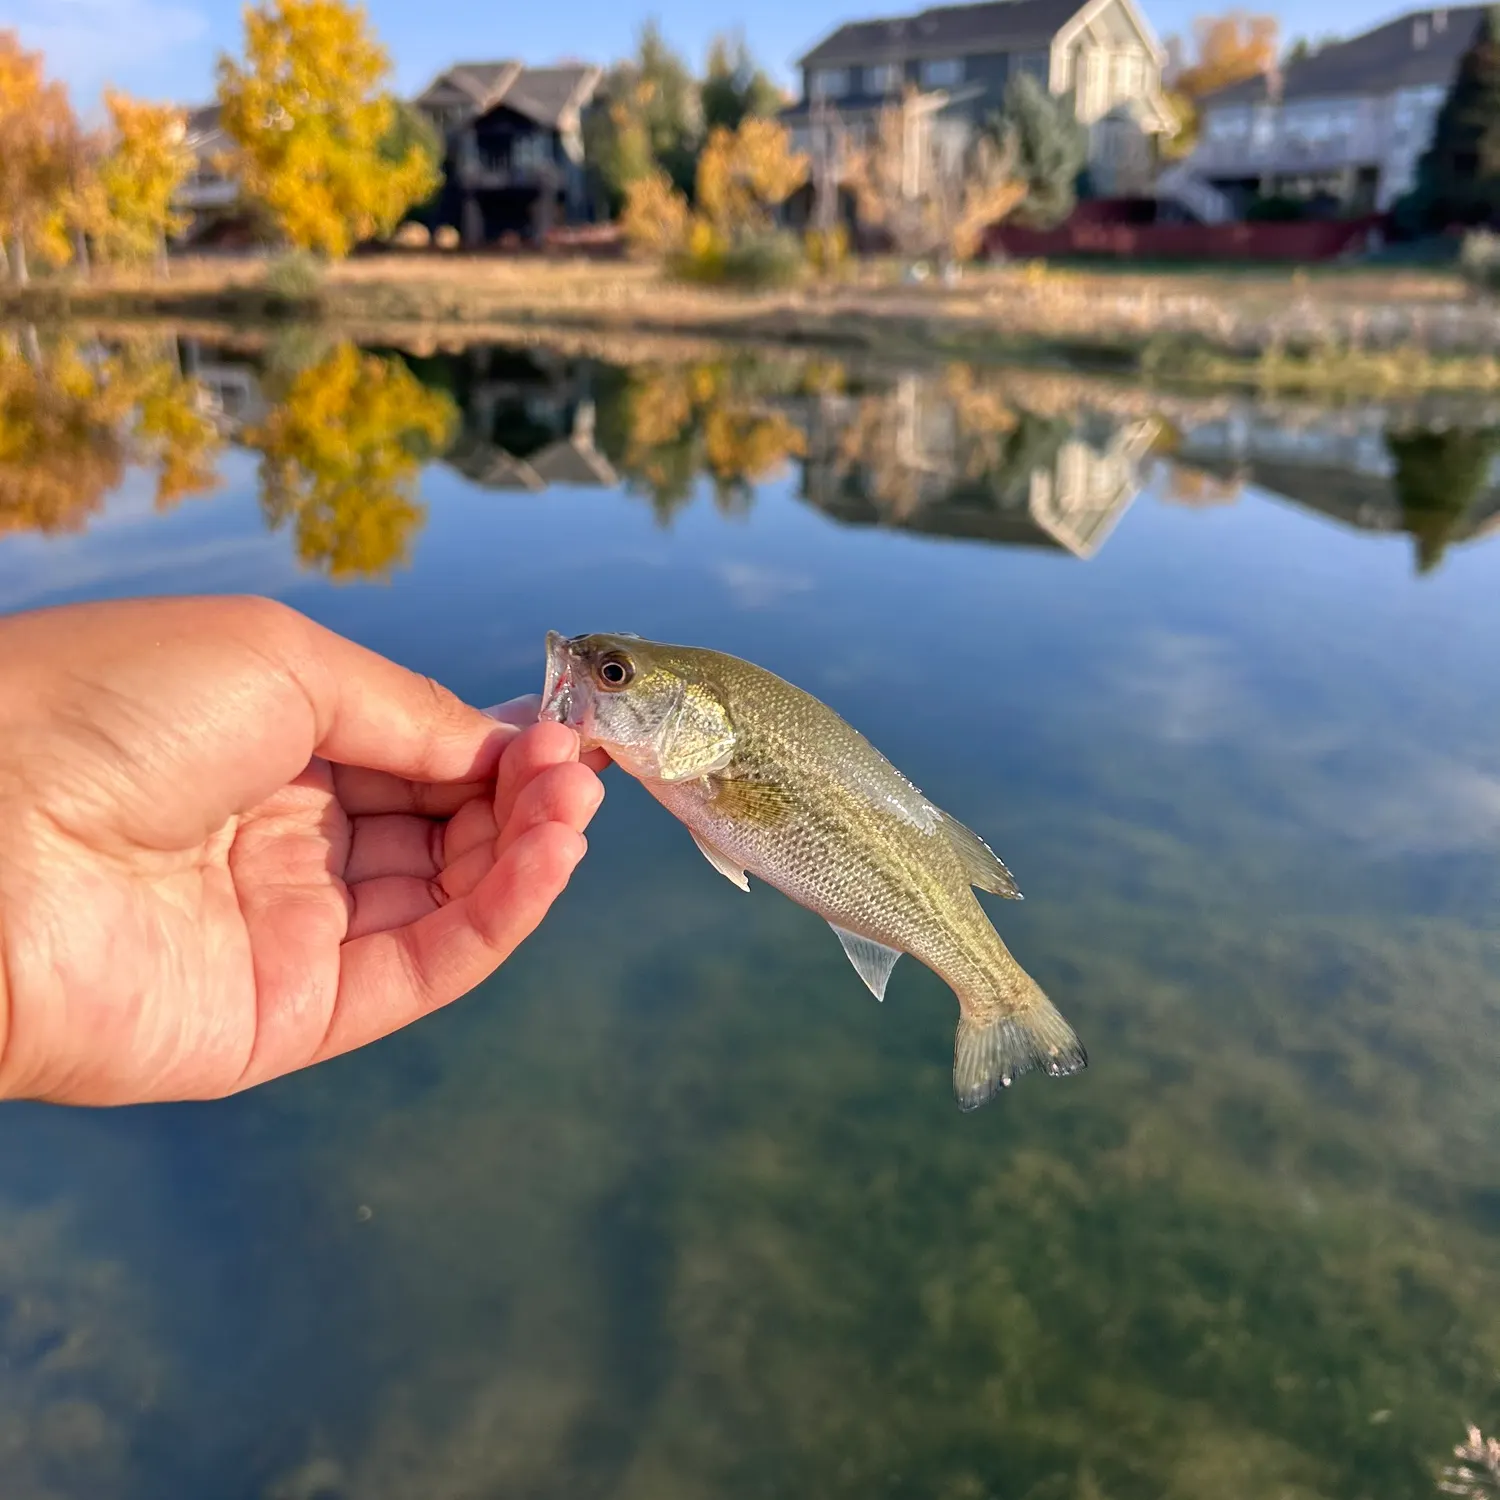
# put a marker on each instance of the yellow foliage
(40, 153)
(310, 122)
(71, 422)
(339, 454)
(744, 174)
(656, 216)
(828, 249)
(147, 163)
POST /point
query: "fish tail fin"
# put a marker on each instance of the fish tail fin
(994, 1045)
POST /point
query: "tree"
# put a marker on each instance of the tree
(933, 201)
(40, 151)
(140, 175)
(1049, 149)
(735, 86)
(313, 127)
(1458, 176)
(1438, 476)
(744, 175)
(671, 106)
(1230, 48)
(339, 454)
(616, 140)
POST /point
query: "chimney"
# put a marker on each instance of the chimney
(1418, 33)
(1273, 81)
(1439, 21)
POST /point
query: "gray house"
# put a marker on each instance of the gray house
(513, 163)
(1345, 125)
(960, 58)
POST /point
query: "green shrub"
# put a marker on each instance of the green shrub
(1479, 260)
(295, 276)
(758, 261)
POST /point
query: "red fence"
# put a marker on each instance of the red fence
(1317, 240)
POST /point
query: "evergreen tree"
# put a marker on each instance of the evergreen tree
(736, 86)
(1050, 148)
(1458, 176)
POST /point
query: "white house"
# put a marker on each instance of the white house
(1346, 124)
(961, 57)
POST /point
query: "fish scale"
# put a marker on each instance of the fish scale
(771, 782)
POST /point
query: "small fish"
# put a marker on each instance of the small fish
(771, 782)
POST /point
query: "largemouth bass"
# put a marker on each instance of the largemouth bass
(771, 782)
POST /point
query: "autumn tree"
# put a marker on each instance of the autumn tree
(930, 197)
(40, 152)
(147, 162)
(735, 86)
(745, 174)
(617, 140)
(72, 418)
(1458, 176)
(340, 453)
(1228, 49)
(312, 125)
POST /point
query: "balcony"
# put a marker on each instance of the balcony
(1251, 156)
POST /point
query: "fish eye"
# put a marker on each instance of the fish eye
(615, 671)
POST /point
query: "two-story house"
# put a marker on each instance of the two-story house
(513, 161)
(1345, 125)
(959, 58)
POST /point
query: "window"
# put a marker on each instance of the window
(1038, 64)
(1226, 124)
(942, 72)
(830, 83)
(883, 79)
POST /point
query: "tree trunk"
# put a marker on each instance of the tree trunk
(18, 260)
(32, 346)
(163, 268)
(81, 251)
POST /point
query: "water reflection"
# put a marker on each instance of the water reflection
(342, 433)
(672, 1209)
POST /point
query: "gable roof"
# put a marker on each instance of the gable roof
(546, 95)
(1001, 25)
(1420, 48)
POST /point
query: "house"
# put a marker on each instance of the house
(207, 194)
(1343, 127)
(954, 63)
(513, 162)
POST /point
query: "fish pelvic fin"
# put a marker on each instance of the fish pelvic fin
(994, 1048)
(982, 866)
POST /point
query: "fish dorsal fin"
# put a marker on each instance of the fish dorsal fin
(983, 867)
(872, 961)
(733, 873)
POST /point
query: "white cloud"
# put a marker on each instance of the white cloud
(88, 43)
(754, 587)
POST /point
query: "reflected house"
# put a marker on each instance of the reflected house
(1345, 468)
(528, 422)
(907, 459)
(231, 387)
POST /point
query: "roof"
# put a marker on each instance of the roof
(202, 119)
(545, 95)
(1002, 25)
(1422, 47)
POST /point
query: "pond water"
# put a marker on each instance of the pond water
(671, 1207)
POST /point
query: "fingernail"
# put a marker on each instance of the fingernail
(517, 712)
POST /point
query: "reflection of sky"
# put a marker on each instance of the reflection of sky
(672, 1208)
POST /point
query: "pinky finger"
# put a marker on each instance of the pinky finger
(390, 979)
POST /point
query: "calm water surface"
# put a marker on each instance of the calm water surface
(671, 1208)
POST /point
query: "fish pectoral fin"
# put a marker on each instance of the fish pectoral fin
(983, 867)
(872, 961)
(733, 873)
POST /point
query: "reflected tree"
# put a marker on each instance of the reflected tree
(1439, 476)
(73, 417)
(340, 453)
(678, 421)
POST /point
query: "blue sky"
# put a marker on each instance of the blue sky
(165, 49)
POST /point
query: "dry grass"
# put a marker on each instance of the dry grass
(1326, 329)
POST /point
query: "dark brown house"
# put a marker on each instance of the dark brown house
(513, 161)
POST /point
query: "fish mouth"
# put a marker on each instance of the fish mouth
(557, 689)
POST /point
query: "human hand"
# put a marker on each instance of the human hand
(233, 844)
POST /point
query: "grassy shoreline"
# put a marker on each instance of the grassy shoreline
(1353, 332)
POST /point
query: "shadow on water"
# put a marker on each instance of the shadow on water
(672, 1208)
